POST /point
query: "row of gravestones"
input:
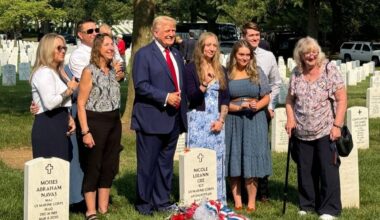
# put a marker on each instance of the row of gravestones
(9, 73)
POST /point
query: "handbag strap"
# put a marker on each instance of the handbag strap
(330, 99)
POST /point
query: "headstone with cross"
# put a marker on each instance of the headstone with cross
(46, 189)
(197, 175)
(357, 122)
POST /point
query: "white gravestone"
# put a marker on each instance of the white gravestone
(181, 145)
(24, 71)
(373, 102)
(357, 122)
(9, 75)
(197, 175)
(349, 180)
(374, 82)
(46, 189)
(282, 71)
(352, 77)
(279, 137)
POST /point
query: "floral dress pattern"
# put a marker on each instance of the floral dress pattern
(200, 135)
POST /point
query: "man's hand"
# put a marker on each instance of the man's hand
(174, 99)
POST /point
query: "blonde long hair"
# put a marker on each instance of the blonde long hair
(199, 58)
(251, 67)
(45, 53)
(305, 45)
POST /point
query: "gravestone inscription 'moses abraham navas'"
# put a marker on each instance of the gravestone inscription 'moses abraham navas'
(46, 189)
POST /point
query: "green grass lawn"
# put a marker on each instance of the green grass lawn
(15, 129)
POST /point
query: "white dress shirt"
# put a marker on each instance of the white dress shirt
(79, 59)
(267, 62)
(162, 49)
(47, 88)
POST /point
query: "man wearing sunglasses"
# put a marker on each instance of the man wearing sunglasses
(80, 58)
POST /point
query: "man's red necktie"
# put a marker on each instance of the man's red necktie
(171, 68)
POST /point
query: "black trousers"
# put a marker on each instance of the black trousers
(101, 163)
(318, 176)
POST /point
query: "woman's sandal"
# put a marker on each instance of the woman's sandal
(92, 217)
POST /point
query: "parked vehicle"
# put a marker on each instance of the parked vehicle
(224, 31)
(360, 50)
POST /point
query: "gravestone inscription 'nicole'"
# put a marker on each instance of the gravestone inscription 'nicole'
(197, 175)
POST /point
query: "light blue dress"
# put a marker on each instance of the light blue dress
(247, 146)
(200, 135)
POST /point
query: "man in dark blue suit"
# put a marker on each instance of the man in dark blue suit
(159, 115)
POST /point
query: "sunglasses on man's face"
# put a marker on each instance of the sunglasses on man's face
(60, 48)
(90, 31)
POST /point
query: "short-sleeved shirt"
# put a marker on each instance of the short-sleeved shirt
(312, 108)
(105, 92)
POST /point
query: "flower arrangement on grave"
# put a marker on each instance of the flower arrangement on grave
(210, 210)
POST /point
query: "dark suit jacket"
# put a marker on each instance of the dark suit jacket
(195, 96)
(152, 81)
(189, 46)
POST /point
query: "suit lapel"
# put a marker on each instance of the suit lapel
(161, 59)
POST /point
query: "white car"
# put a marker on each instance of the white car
(360, 50)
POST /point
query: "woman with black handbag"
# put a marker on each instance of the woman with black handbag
(316, 129)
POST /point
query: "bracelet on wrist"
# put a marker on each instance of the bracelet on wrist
(84, 133)
(337, 126)
(203, 84)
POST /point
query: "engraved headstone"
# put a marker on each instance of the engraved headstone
(24, 71)
(357, 122)
(373, 102)
(197, 175)
(46, 189)
(9, 75)
(279, 137)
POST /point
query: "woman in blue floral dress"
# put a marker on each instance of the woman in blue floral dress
(247, 153)
(207, 93)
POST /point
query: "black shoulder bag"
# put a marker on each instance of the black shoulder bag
(344, 144)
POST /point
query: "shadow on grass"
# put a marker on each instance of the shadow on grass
(125, 186)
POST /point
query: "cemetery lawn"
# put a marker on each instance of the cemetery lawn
(15, 130)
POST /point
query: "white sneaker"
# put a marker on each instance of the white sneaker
(302, 213)
(327, 217)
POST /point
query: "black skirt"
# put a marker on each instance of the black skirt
(49, 137)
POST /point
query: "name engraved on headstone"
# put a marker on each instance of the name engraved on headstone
(197, 175)
(46, 189)
(357, 122)
(279, 137)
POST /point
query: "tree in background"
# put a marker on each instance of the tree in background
(144, 11)
(14, 15)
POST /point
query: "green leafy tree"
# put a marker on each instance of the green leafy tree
(14, 15)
